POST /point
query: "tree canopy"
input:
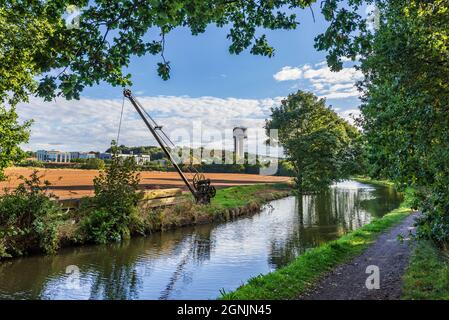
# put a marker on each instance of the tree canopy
(11, 135)
(111, 31)
(406, 105)
(322, 147)
(41, 55)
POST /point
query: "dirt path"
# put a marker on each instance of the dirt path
(347, 282)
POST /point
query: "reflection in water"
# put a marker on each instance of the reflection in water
(195, 263)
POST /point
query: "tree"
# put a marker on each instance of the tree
(116, 199)
(406, 105)
(94, 163)
(405, 96)
(322, 147)
(12, 134)
(111, 31)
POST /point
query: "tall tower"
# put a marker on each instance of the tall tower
(240, 136)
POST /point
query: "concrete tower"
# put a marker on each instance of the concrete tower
(239, 141)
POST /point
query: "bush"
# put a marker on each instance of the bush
(433, 223)
(30, 163)
(93, 163)
(115, 202)
(285, 168)
(28, 219)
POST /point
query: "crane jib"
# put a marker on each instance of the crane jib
(201, 188)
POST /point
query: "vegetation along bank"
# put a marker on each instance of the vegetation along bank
(31, 222)
(300, 275)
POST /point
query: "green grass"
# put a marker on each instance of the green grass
(363, 179)
(291, 281)
(427, 276)
(242, 195)
(228, 204)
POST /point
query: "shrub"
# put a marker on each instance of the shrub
(285, 168)
(115, 202)
(93, 163)
(30, 163)
(28, 218)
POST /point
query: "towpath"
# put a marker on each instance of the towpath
(348, 281)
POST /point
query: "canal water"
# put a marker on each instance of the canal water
(198, 262)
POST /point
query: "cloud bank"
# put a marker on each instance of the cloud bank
(324, 82)
(90, 124)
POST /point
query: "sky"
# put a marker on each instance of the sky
(210, 91)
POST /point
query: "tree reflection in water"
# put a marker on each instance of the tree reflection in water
(327, 216)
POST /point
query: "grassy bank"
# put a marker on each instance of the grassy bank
(228, 204)
(419, 283)
(427, 276)
(293, 280)
(69, 228)
(363, 179)
(239, 196)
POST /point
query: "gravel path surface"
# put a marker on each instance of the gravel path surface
(348, 281)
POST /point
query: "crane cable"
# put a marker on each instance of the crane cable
(191, 169)
(167, 140)
(120, 124)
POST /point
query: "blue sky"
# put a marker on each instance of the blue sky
(202, 65)
(207, 84)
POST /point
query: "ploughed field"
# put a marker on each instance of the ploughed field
(76, 183)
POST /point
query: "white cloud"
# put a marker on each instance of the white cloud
(324, 82)
(91, 124)
(288, 73)
(350, 115)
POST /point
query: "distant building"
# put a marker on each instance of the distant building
(87, 155)
(139, 158)
(74, 155)
(240, 135)
(59, 156)
(53, 156)
(83, 155)
(105, 156)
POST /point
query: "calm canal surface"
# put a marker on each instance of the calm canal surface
(197, 262)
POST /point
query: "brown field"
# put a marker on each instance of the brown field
(75, 183)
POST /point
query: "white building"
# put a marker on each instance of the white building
(105, 156)
(53, 156)
(240, 135)
(82, 155)
(87, 155)
(140, 158)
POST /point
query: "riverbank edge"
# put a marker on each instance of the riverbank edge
(230, 203)
(300, 275)
(364, 179)
(418, 282)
